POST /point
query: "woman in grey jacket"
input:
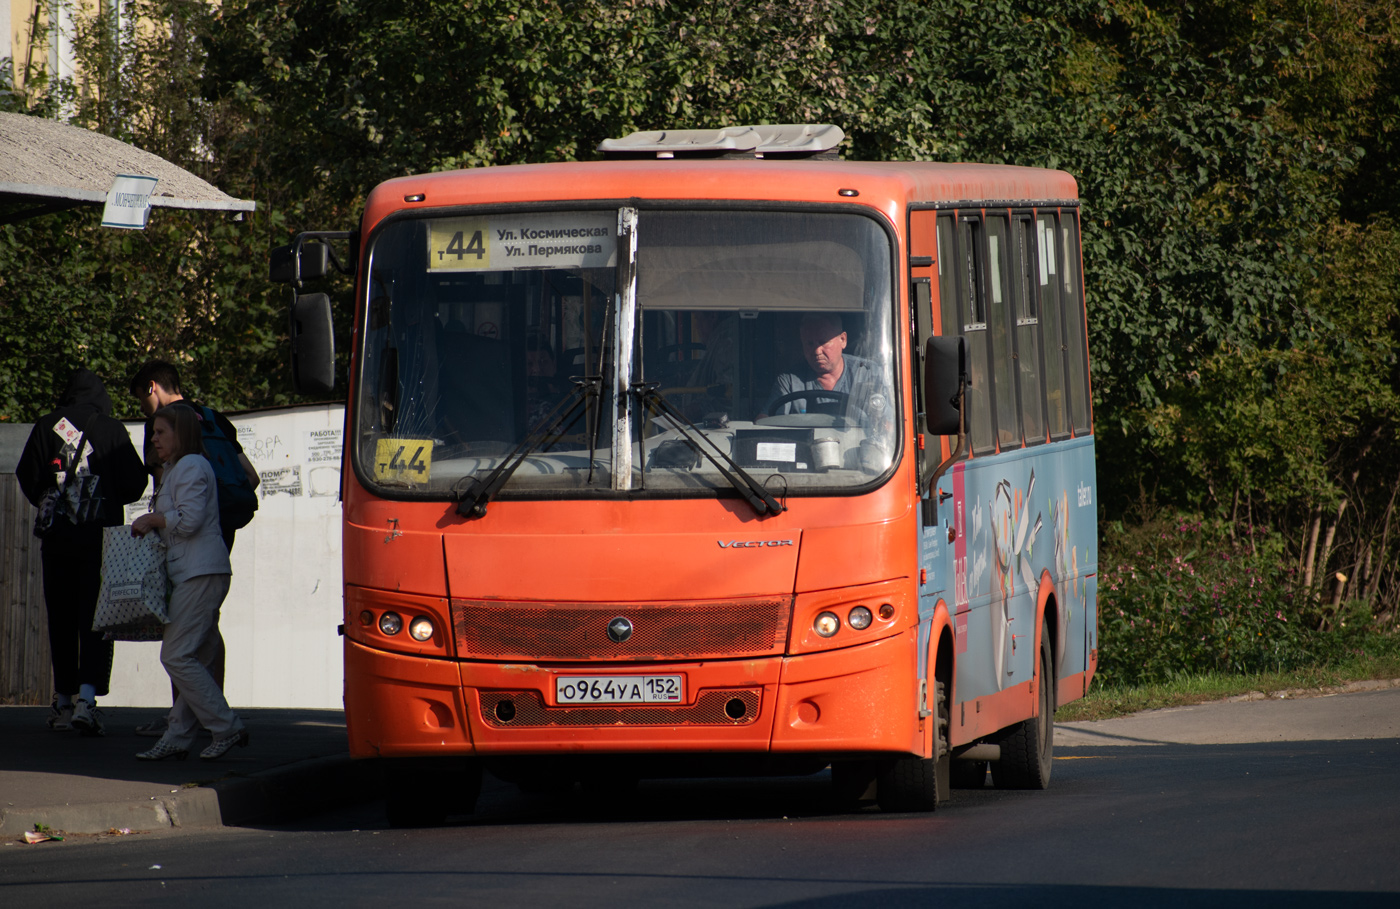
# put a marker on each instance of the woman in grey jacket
(186, 514)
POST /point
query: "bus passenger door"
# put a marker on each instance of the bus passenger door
(938, 506)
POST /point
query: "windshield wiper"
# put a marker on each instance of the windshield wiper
(760, 498)
(472, 502)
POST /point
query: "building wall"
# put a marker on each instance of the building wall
(284, 605)
(53, 53)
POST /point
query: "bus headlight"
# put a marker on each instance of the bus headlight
(421, 628)
(859, 618)
(391, 623)
(826, 624)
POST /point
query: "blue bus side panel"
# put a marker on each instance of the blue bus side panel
(1016, 516)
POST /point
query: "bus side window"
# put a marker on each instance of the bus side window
(1076, 344)
(1028, 354)
(1000, 285)
(1052, 325)
(973, 317)
(947, 277)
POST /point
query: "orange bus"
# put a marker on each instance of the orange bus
(719, 455)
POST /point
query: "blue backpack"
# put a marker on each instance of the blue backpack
(237, 497)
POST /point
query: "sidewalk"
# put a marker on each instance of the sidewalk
(296, 763)
(1359, 710)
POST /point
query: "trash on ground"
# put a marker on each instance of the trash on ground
(34, 836)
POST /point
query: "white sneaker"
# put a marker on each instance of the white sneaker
(87, 719)
(60, 718)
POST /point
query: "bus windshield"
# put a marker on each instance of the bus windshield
(761, 338)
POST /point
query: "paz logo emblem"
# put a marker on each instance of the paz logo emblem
(619, 630)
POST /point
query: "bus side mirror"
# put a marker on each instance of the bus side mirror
(288, 265)
(945, 377)
(313, 344)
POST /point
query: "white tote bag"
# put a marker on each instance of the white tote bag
(133, 603)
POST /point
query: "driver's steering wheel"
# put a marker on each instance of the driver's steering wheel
(842, 400)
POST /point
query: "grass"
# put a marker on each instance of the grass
(1106, 703)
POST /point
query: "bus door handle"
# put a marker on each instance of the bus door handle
(943, 496)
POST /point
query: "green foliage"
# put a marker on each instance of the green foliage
(190, 288)
(72, 293)
(361, 92)
(1290, 425)
(1181, 596)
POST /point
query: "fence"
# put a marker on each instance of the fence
(26, 675)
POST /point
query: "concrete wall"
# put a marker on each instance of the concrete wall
(280, 618)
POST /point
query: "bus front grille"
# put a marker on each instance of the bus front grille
(579, 631)
(714, 707)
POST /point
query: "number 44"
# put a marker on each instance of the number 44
(415, 464)
(476, 246)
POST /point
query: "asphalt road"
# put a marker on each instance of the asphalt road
(1267, 824)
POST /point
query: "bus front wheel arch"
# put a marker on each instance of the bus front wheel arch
(919, 783)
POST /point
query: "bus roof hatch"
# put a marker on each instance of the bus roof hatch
(779, 139)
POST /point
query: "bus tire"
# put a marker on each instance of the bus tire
(919, 784)
(1028, 748)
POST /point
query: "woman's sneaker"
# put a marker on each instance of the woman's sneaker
(87, 719)
(60, 718)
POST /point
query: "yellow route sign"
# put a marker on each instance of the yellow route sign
(586, 239)
(405, 462)
(457, 244)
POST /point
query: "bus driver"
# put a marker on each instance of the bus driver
(858, 389)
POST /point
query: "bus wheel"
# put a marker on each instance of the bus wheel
(919, 784)
(1027, 749)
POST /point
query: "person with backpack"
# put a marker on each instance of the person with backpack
(184, 511)
(156, 385)
(79, 468)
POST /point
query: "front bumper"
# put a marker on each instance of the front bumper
(855, 700)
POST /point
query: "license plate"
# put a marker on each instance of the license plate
(620, 689)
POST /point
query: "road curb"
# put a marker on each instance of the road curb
(1292, 693)
(275, 795)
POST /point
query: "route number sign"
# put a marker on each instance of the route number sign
(406, 462)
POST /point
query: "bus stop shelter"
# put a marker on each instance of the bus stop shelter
(47, 166)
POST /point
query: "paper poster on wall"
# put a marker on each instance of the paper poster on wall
(322, 446)
(281, 481)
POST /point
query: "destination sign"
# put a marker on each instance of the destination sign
(507, 242)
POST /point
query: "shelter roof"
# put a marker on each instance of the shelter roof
(57, 166)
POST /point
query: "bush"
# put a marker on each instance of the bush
(1182, 597)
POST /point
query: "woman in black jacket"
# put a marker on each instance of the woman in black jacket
(72, 552)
